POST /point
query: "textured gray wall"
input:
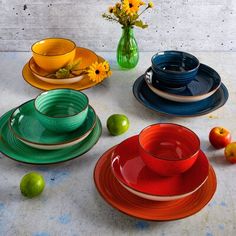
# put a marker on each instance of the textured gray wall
(193, 25)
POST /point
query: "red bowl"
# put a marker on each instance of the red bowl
(168, 149)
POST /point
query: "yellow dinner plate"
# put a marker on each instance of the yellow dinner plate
(31, 79)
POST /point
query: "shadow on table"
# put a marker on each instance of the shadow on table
(10, 194)
(216, 157)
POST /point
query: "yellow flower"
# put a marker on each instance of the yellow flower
(111, 9)
(150, 5)
(141, 3)
(106, 66)
(131, 6)
(99, 71)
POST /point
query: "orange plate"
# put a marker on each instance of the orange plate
(124, 201)
(85, 83)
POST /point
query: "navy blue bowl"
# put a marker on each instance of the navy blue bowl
(175, 68)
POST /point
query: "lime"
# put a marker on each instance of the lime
(32, 184)
(117, 124)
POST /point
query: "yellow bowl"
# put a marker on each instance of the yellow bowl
(84, 56)
(51, 54)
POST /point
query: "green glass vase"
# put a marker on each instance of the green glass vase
(127, 50)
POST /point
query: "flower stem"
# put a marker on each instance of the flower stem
(143, 11)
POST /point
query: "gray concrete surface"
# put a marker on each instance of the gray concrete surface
(188, 25)
(70, 204)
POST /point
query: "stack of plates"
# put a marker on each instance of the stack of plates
(24, 139)
(204, 94)
(127, 184)
(37, 77)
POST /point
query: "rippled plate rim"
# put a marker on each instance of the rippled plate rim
(186, 98)
(42, 85)
(136, 94)
(28, 142)
(68, 80)
(54, 162)
(96, 176)
(120, 175)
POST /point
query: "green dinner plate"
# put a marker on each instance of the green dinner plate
(26, 127)
(18, 151)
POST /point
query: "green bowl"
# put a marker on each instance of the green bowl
(61, 110)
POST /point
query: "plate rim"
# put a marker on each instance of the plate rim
(75, 76)
(37, 82)
(159, 197)
(114, 206)
(49, 144)
(136, 95)
(182, 98)
(98, 122)
(155, 195)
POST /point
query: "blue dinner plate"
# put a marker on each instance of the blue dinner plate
(206, 82)
(183, 109)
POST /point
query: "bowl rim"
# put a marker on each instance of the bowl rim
(66, 116)
(176, 51)
(164, 159)
(37, 42)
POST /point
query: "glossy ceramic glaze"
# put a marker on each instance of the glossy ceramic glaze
(175, 68)
(51, 54)
(130, 170)
(168, 149)
(122, 200)
(163, 106)
(26, 127)
(61, 110)
(206, 82)
(31, 79)
(13, 148)
(84, 56)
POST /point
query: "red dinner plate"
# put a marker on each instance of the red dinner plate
(130, 170)
(130, 204)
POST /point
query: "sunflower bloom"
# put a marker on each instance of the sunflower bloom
(128, 12)
(141, 3)
(131, 6)
(96, 72)
(99, 71)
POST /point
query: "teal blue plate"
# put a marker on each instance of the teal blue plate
(163, 106)
(206, 82)
(11, 147)
(26, 127)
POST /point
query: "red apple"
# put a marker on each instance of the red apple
(230, 152)
(219, 137)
